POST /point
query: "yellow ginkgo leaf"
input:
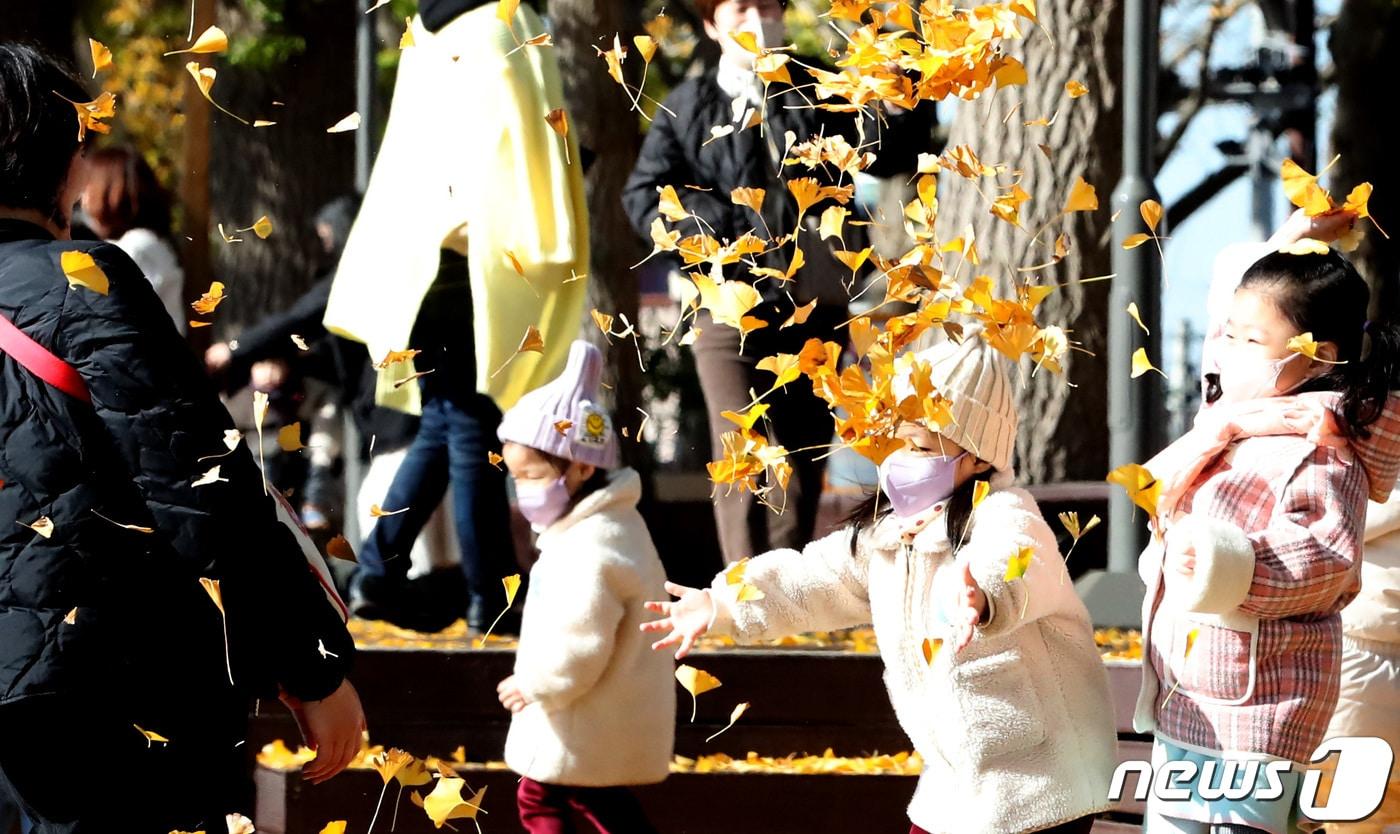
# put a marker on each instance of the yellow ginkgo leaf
(604, 322)
(212, 41)
(416, 772)
(446, 803)
(734, 716)
(1075, 88)
(931, 647)
(346, 125)
(82, 271)
(1070, 520)
(210, 477)
(494, 459)
(394, 357)
(832, 219)
(92, 113)
(1018, 563)
(1010, 73)
(260, 405)
(505, 10)
(210, 300)
(1133, 241)
(262, 227)
(71, 618)
(406, 39)
(1305, 246)
(1141, 485)
(204, 78)
(697, 682)
(980, 492)
(563, 426)
(669, 204)
(558, 121)
(1137, 317)
(300, 343)
(512, 586)
(340, 548)
(751, 198)
(748, 40)
(239, 824)
(377, 511)
(1302, 189)
(289, 437)
(101, 56)
(136, 527)
(211, 587)
(43, 525)
(388, 763)
(151, 736)
(336, 827)
(1305, 344)
(646, 46)
(1082, 197)
(1151, 212)
(1141, 364)
(1357, 200)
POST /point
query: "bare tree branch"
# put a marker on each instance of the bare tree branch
(1221, 11)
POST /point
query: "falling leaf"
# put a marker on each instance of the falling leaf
(340, 548)
(460, 754)
(604, 322)
(299, 342)
(263, 123)
(337, 827)
(1008, 206)
(505, 13)
(377, 511)
(406, 39)
(514, 263)
(752, 198)
(832, 219)
(210, 477)
(260, 403)
(239, 824)
(646, 46)
(669, 206)
(211, 299)
(1018, 563)
(494, 459)
(1075, 88)
(394, 357)
(446, 803)
(101, 56)
(262, 228)
(71, 618)
(82, 271)
(151, 737)
(346, 125)
(1305, 246)
(91, 113)
(1151, 212)
(1137, 317)
(734, 577)
(1142, 487)
(43, 526)
(1141, 364)
(197, 323)
(512, 585)
(1082, 197)
(1070, 520)
(1133, 241)
(563, 426)
(734, 716)
(697, 682)
(980, 492)
(204, 78)
(289, 437)
(799, 314)
(211, 41)
(323, 651)
(211, 587)
(1305, 344)
(559, 121)
(136, 527)
(931, 647)
(1302, 189)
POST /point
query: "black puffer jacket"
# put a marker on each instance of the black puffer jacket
(143, 627)
(679, 151)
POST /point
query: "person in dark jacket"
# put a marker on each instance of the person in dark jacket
(111, 522)
(681, 151)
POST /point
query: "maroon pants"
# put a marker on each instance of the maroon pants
(1079, 826)
(549, 809)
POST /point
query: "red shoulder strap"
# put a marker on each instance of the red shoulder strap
(35, 358)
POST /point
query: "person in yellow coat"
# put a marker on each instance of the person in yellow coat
(472, 236)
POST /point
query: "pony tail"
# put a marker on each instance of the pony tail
(1369, 381)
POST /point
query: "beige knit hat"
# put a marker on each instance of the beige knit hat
(977, 380)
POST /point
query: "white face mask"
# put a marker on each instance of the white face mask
(1245, 377)
(770, 33)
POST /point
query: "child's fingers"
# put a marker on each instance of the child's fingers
(677, 590)
(657, 625)
(687, 641)
(657, 607)
(669, 640)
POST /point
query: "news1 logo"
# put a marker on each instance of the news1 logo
(1358, 782)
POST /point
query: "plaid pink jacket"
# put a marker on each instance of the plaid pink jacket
(1276, 522)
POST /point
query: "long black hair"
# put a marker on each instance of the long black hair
(876, 506)
(1324, 295)
(38, 129)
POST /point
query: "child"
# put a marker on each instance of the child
(594, 710)
(1259, 525)
(1012, 713)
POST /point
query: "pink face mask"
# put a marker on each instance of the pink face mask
(543, 505)
(916, 482)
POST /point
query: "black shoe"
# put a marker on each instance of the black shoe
(417, 605)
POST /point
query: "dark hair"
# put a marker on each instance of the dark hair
(599, 479)
(706, 9)
(875, 507)
(38, 129)
(1324, 295)
(122, 193)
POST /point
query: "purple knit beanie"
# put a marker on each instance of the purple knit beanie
(560, 418)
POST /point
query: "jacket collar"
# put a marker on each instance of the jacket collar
(623, 491)
(12, 229)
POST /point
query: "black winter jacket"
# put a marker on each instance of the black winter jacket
(142, 626)
(678, 151)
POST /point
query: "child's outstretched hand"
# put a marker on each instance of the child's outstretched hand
(511, 696)
(1324, 227)
(967, 607)
(687, 618)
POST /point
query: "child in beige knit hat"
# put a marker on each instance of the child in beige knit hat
(989, 654)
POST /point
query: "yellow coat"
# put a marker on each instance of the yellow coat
(469, 163)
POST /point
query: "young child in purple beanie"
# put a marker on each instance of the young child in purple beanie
(594, 708)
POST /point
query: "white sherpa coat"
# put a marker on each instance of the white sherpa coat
(1017, 730)
(603, 704)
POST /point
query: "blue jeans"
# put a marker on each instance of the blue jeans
(450, 449)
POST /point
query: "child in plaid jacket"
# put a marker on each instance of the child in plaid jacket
(1257, 535)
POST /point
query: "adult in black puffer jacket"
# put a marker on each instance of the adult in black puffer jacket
(681, 151)
(105, 630)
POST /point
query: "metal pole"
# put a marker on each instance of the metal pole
(364, 95)
(1135, 406)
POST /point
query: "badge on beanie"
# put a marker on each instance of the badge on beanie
(593, 429)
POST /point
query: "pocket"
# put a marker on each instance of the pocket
(1222, 664)
(1001, 712)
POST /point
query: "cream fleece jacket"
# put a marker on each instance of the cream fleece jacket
(603, 704)
(1017, 730)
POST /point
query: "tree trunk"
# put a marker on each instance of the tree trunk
(1365, 46)
(286, 171)
(608, 132)
(1062, 428)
